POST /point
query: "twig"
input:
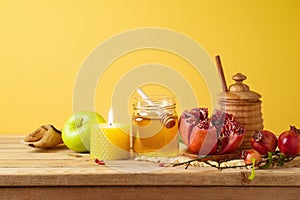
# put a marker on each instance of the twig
(268, 160)
(226, 167)
(217, 158)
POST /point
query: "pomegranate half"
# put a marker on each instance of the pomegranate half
(202, 135)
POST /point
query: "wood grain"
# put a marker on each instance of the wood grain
(60, 173)
(145, 193)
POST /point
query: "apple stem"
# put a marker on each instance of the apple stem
(80, 123)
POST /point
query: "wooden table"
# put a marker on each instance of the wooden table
(30, 173)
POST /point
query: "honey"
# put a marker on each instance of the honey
(152, 138)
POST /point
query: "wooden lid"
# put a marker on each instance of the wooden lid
(239, 90)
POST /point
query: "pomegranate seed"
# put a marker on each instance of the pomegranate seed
(161, 164)
(99, 162)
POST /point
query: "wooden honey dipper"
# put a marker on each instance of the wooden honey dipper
(221, 73)
(167, 120)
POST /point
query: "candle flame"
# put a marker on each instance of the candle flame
(110, 119)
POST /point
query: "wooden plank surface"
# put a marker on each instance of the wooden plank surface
(145, 193)
(59, 168)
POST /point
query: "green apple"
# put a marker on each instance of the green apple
(76, 130)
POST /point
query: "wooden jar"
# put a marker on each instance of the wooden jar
(245, 105)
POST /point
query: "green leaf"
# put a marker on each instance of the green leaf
(252, 175)
(281, 159)
(269, 163)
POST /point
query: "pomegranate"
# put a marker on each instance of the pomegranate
(264, 141)
(250, 154)
(230, 132)
(289, 142)
(219, 135)
(194, 128)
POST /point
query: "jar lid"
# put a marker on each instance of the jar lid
(239, 90)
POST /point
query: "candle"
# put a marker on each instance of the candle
(110, 141)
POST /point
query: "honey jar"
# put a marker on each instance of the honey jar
(244, 105)
(155, 127)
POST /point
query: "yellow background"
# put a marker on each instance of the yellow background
(43, 44)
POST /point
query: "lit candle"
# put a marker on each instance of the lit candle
(110, 141)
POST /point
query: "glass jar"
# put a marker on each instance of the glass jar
(155, 127)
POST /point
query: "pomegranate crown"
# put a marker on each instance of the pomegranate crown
(294, 129)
